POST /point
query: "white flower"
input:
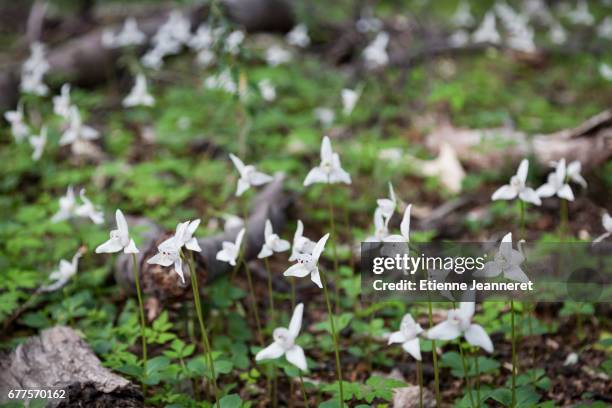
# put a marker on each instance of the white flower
(176, 29)
(308, 263)
(517, 187)
(223, 81)
(230, 250)
(19, 129)
(267, 90)
(88, 210)
(573, 173)
(61, 103)
(36, 61)
(184, 235)
(375, 54)
(233, 41)
(606, 221)
(557, 34)
(349, 100)
(65, 271)
(232, 222)
(487, 31)
(404, 228)
(330, 170)
(408, 336)
(298, 36)
(301, 244)
(507, 262)
(129, 35)
(249, 176)
(284, 342)
(556, 184)
(521, 39)
(272, 243)
(604, 30)
(67, 205)
(77, 130)
(202, 39)
(325, 116)
(119, 238)
(205, 58)
(139, 96)
(463, 16)
(33, 71)
(459, 322)
(387, 206)
(276, 55)
(605, 71)
(38, 143)
(581, 14)
(169, 254)
(381, 227)
(459, 38)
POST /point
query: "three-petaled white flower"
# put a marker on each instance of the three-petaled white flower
(38, 143)
(230, 250)
(387, 206)
(61, 102)
(487, 31)
(463, 15)
(330, 170)
(556, 184)
(276, 55)
(381, 227)
(606, 221)
(307, 264)
(375, 54)
(267, 90)
(581, 14)
(284, 342)
(19, 128)
(507, 262)
(298, 36)
(573, 172)
(233, 41)
(408, 336)
(249, 176)
(65, 271)
(33, 71)
(517, 187)
(459, 322)
(129, 35)
(349, 100)
(139, 95)
(272, 243)
(67, 205)
(88, 210)
(119, 238)
(69, 208)
(301, 244)
(76, 129)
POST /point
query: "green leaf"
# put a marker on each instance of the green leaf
(231, 401)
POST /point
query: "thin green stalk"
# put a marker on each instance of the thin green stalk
(420, 380)
(334, 336)
(522, 220)
(513, 354)
(203, 332)
(143, 322)
(332, 226)
(304, 391)
(466, 374)
(292, 280)
(270, 292)
(476, 362)
(435, 359)
(253, 301)
(564, 218)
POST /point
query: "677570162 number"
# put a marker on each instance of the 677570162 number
(32, 394)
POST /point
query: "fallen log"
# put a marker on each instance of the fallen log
(58, 359)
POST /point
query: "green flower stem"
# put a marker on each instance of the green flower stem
(420, 380)
(513, 353)
(332, 227)
(563, 229)
(253, 301)
(522, 220)
(292, 280)
(477, 364)
(270, 291)
(204, 333)
(466, 374)
(143, 322)
(334, 336)
(304, 391)
(435, 359)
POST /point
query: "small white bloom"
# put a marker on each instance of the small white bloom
(557, 33)
(404, 228)
(507, 262)
(128, 35)
(203, 38)
(330, 170)
(139, 96)
(375, 54)
(349, 100)
(459, 322)
(298, 36)
(517, 187)
(276, 55)
(119, 238)
(387, 206)
(272, 242)
(232, 222)
(605, 71)
(301, 244)
(205, 58)
(325, 116)
(61, 103)
(67, 205)
(459, 38)
(606, 221)
(230, 250)
(308, 263)
(77, 130)
(408, 336)
(581, 14)
(571, 359)
(152, 59)
(463, 15)
(267, 90)
(169, 253)
(284, 342)
(88, 210)
(65, 271)
(19, 128)
(381, 227)
(487, 31)
(249, 176)
(233, 41)
(33, 71)
(573, 173)
(184, 235)
(38, 143)
(556, 184)
(604, 30)
(222, 81)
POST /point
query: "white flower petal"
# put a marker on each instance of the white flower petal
(271, 352)
(505, 192)
(295, 355)
(529, 196)
(298, 270)
(110, 246)
(316, 175)
(397, 337)
(566, 192)
(445, 330)
(131, 248)
(413, 347)
(477, 336)
(295, 325)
